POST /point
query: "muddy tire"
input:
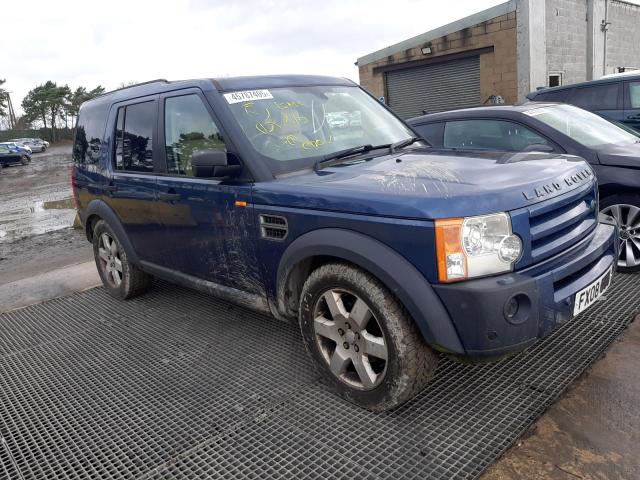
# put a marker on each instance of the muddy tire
(119, 276)
(362, 340)
(625, 209)
(24, 160)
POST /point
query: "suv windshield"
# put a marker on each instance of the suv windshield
(584, 127)
(293, 127)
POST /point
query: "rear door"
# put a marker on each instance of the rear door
(632, 104)
(131, 189)
(208, 222)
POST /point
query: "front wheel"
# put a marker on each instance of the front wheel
(24, 159)
(119, 276)
(625, 209)
(363, 341)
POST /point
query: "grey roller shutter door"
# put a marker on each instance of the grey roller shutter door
(434, 88)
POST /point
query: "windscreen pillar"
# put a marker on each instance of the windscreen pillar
(531, 46)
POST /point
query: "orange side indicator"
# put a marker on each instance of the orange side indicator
(452, 261)
(241, 203)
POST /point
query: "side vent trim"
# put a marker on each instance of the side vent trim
(273, 227)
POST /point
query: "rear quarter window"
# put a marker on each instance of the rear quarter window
(87, 144)
(431, 132)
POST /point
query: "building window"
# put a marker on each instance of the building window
(555, 79)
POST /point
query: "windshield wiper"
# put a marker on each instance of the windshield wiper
(332, 158)
(403, 143)
(343, 153)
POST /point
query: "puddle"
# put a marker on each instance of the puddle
(64, 204)
(36, 198)
(21, 217)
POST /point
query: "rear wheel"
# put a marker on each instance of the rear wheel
(119, 276)
(363, 341)
(625, 209)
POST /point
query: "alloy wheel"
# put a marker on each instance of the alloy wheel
(350, 339)
(110, 259)
(628, 219)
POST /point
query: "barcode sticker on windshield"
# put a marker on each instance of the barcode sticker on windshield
(248, 96)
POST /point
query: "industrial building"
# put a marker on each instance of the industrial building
(504, 52)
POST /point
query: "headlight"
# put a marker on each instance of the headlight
(475, 247)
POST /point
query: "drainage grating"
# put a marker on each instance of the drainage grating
(176, 384)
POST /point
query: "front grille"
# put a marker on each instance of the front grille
(562, 222)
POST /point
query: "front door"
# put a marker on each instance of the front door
(208, 222)
(632, 104)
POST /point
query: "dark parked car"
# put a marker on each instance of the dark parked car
(9, 156)
(615, 97)
(613, 153)
(384, 251)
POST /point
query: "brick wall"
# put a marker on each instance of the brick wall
(623, 38)
(497, 69)
(567, 37)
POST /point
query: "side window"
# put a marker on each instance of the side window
(597, 97)
(490, 135)
(188, 128)
(87, 144)
(134, 137)
(634, 95)
(553, 96)
(431, 132)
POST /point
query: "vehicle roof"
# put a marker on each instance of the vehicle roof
(220, 84)
(487, 111)
(607, 79)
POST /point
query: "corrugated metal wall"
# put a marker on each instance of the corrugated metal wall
(434, 88)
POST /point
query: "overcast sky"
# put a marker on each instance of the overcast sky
(86, 43)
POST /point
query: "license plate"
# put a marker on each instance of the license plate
(589, 295)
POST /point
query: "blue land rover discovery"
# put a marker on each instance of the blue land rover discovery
(306, 198)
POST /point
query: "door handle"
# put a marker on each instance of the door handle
(168, 197)
(109, 188)
(633, 117)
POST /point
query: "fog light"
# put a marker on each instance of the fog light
(511, 308)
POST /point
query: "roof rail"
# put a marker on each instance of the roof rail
(157, 80)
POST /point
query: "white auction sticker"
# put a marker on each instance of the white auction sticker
(248, 96)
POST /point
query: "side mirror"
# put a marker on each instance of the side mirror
(212, 163)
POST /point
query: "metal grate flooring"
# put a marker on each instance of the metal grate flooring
(176, 384)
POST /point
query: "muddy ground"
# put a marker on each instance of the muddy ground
(36, 216)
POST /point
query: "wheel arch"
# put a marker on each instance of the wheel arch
(325, 245)
(98, 210)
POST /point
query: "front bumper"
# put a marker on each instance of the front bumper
(545, 293)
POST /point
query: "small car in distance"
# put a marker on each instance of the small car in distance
(18, 148)
(36, 145)
(613, 152)
(10, 156)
